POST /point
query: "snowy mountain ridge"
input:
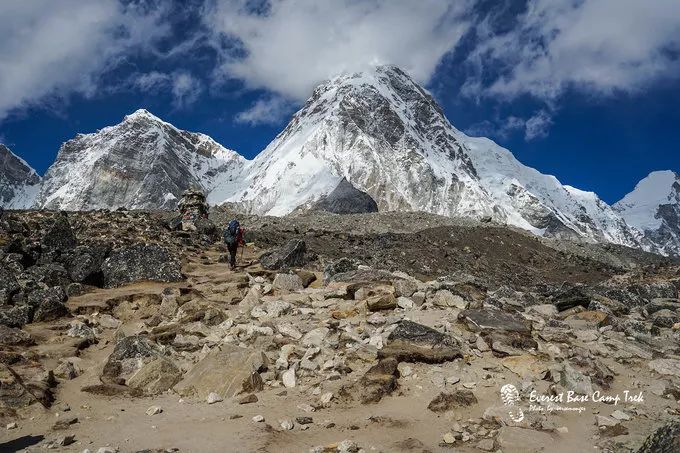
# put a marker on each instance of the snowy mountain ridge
(143, 162)
(388, 137)
(378, 131)
(653, 208)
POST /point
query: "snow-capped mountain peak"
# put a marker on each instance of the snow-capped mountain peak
(653, 207)
(142, 114)
(142, 162)
(388, 137)
(640, 206)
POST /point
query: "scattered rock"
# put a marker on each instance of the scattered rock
(380, 380)
(664, 440)
(670, 367)
(292, 254)
(140, 262)
(10, 336)
(381, 302)
(155, 377)
(227, 370)
(213, 398)
(413, 342)
(288, 378)
(445, 298)
(494, 320)
(286, 424)
(248, 399)
(449, 438)
(287, 283)
(448, 401)
(154, 410)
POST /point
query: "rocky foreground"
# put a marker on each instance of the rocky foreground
(335, 334)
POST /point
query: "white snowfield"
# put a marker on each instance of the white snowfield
(640, 207)
(382, 132)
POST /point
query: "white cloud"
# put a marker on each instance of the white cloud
(534, 127)
(50, 50)
(538, 125)
(289, 46)
(152, 82)
(185, 89)
(268, 110)
(598, 46)
(183, 86)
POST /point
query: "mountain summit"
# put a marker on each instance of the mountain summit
(387, 136)
(653, 207)
(142, 162)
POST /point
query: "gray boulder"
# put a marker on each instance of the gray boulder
(15, 316)
(292, 254)
(664, 440)
(59, 236)
(129, 355)
(11, 336)
(84, 263)
(48, 304)
(341, 266)
(8, 285)
(413, 342)
(140, 262)
(346, 199)
(51, 274)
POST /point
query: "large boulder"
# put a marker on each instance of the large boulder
(10, 336)
(8, 285)
(129, 355)
(15, 315)
(155, 377)
(664, 440)
(84, 263)
(413, 342)
(140, 262)
(59, 236)
(380, 380)
(292, 254)
(48, 304)
(227, 370)
(346, 199)
(287, 283)
(50, 274)
(340, 266)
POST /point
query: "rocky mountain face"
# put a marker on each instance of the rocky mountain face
(653, 207)
(142, 162)
(388, 137)
(346, 199)
(19, 183)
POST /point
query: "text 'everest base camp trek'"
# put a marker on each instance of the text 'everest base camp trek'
(374, 280)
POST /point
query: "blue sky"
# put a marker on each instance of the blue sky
(587, 90)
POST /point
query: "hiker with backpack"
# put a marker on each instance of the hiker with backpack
(233, 237)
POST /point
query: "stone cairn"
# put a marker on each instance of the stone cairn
(192, 207)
